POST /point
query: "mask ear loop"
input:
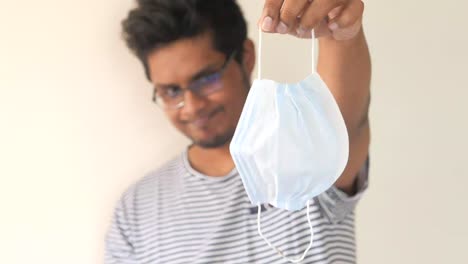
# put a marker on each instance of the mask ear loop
(297, 260)
(259, 59)
(259, 225)
(259, 73)
(313, 52)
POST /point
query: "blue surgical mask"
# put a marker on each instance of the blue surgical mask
(290, 144)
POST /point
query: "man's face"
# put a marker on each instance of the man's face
(209, 121)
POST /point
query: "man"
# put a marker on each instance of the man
(194, 209)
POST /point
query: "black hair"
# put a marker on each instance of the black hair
(156, 23)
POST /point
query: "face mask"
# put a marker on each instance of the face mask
(290, 144)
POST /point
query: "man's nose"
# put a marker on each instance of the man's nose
(193, 103)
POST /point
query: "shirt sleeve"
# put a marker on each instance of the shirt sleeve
(118, 246)
(336, 204)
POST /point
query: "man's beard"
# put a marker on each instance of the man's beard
(217, 141)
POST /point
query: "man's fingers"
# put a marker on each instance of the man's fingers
(348, 17)
(299, 17)
(288, 15)
(321, 30)
(315, 13)
(348, 32)
(270, 17)
(335, 12)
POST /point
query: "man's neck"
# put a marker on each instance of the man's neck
(211, 161)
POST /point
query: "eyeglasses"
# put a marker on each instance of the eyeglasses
(172, 97)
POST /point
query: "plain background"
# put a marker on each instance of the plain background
(77, 126)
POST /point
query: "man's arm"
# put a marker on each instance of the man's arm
(345, 67)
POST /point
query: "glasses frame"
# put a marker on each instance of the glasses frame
(195, 84)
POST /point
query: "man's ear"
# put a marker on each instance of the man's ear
(248, 59)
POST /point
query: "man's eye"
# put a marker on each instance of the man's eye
(172, 92)
(210, 78)
(206, 82)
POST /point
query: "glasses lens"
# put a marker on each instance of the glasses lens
(168, 102)
(208, 84)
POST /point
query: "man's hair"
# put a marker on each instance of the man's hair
(156, 23)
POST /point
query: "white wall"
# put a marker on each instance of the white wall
(77, 126)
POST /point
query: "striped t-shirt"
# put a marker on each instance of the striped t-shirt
(178, 215)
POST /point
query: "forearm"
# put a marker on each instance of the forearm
(345, 67)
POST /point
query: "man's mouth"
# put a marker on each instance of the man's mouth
(203, 121)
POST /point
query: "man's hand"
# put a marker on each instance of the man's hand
(341, 19)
